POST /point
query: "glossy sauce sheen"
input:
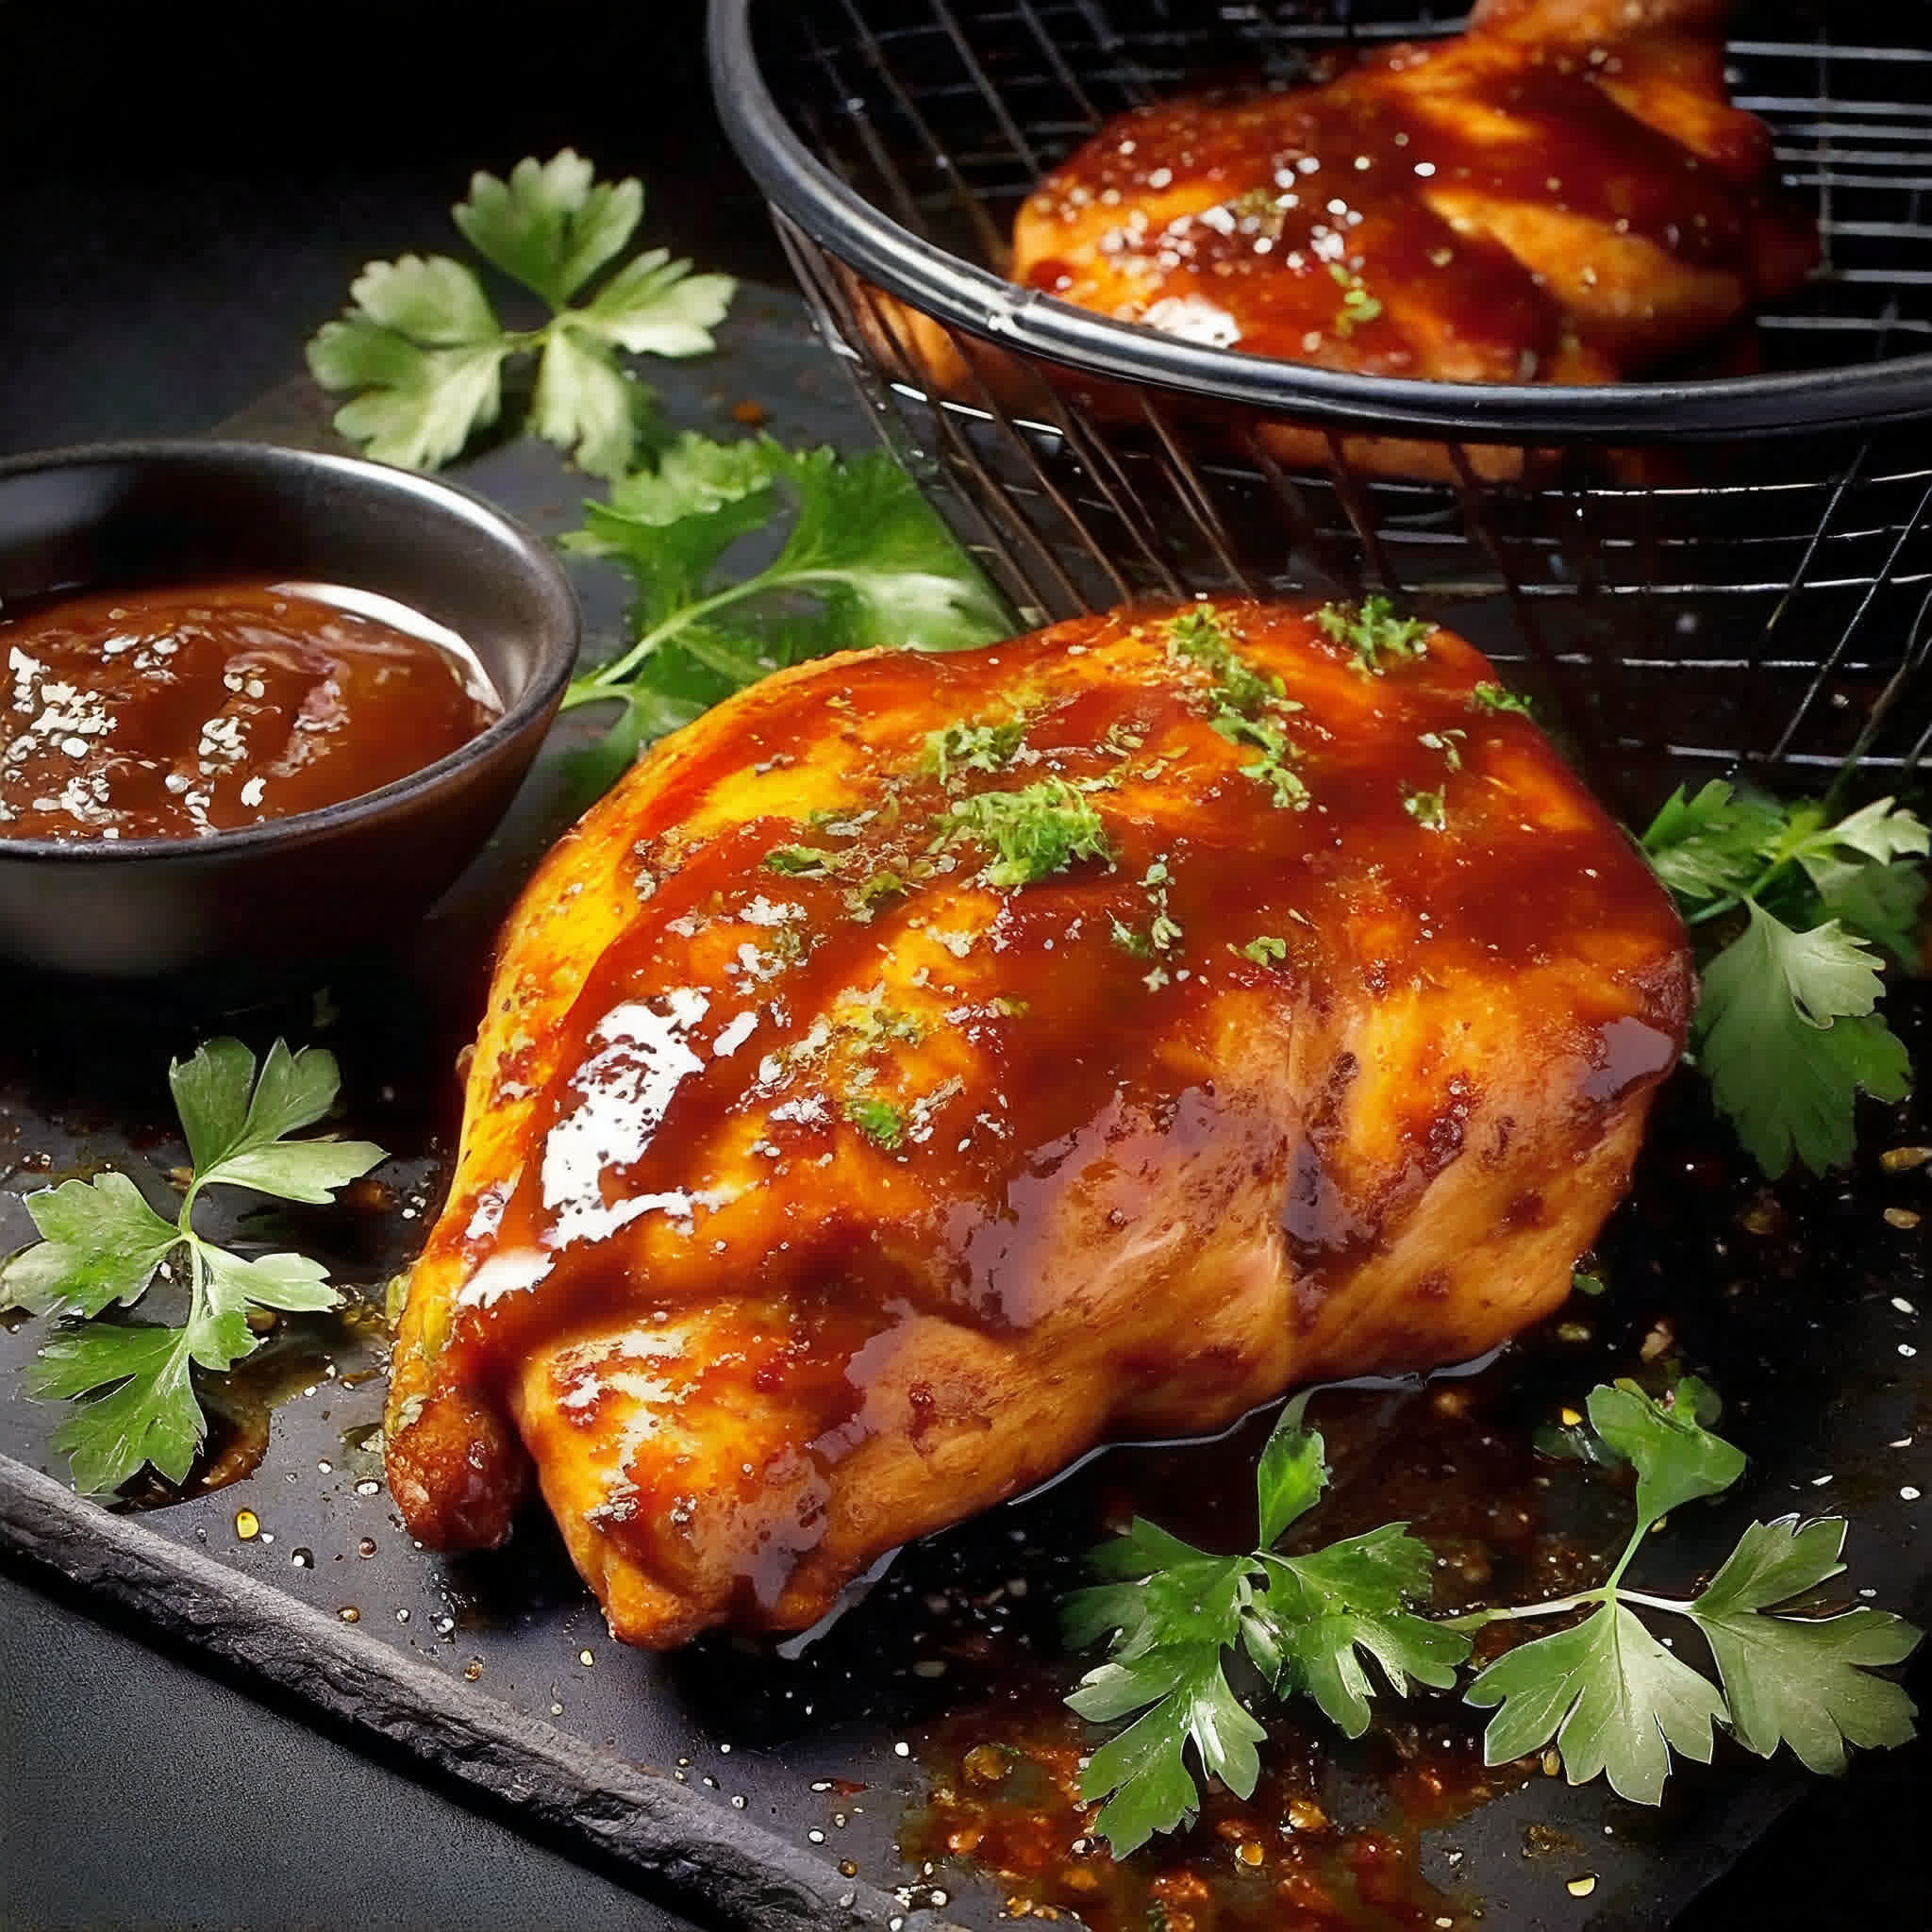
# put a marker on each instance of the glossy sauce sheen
(1563, 193)
(174, 713)
(790, 1206)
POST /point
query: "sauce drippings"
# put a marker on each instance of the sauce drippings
(176, 713)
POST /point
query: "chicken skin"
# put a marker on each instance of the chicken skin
(924, 1067)
(1560, 194)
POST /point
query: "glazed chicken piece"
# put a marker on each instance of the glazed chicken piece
(924, 1067)
(1560, 194)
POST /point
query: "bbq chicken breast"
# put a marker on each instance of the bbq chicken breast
(924, 1067)
(1561, 193)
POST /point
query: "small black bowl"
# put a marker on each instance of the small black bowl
(114, 515)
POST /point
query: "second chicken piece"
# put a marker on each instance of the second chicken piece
(1560, 194)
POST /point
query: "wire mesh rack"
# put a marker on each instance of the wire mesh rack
(1690, 577)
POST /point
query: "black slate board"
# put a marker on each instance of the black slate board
(722, 1778)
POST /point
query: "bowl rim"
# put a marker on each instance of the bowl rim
(442, 496)
(961, 294)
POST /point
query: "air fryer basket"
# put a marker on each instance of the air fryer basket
(1690, 577)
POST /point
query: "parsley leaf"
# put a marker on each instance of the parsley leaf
(1677, 1458)
(1198, 634)
(1615, 1700)
(1713, 845)
(803, 862)
(1247, 702)
(1796, 1679)
(1883, 903)
(424, 348)
(864, 562)
(1787, 1029)
(102, 1244)
(1357, 305)
(1290, 1476)
(1142, 1773)
(1784, 1033)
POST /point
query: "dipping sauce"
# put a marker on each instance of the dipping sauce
(175, 712)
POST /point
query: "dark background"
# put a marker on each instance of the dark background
(185, 196)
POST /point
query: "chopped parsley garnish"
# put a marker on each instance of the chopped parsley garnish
(1428, 808)
(1162, 934)
(1033, 833)
(804, 861)
(864, 898)
(1357, 305)
(102, 1246)
(1197, 635)
(1261, 210)
(1272, 768)
(874, 1025)
(1372, 631)
(1614, 1700)
(974, 747)
(880, 1120)
(1247, 702)
(1786, 1029)
(1286, 787)
(1264, 950)
(1492, 697)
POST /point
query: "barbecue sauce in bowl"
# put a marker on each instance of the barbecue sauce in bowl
(179, 711)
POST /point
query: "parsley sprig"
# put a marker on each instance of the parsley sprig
(422, 346)
(1615, 1701)
(1801, 904)
(1174, 1611)
(102, 1246)
(864, 562)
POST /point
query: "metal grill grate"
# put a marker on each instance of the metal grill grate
(1680, 601)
